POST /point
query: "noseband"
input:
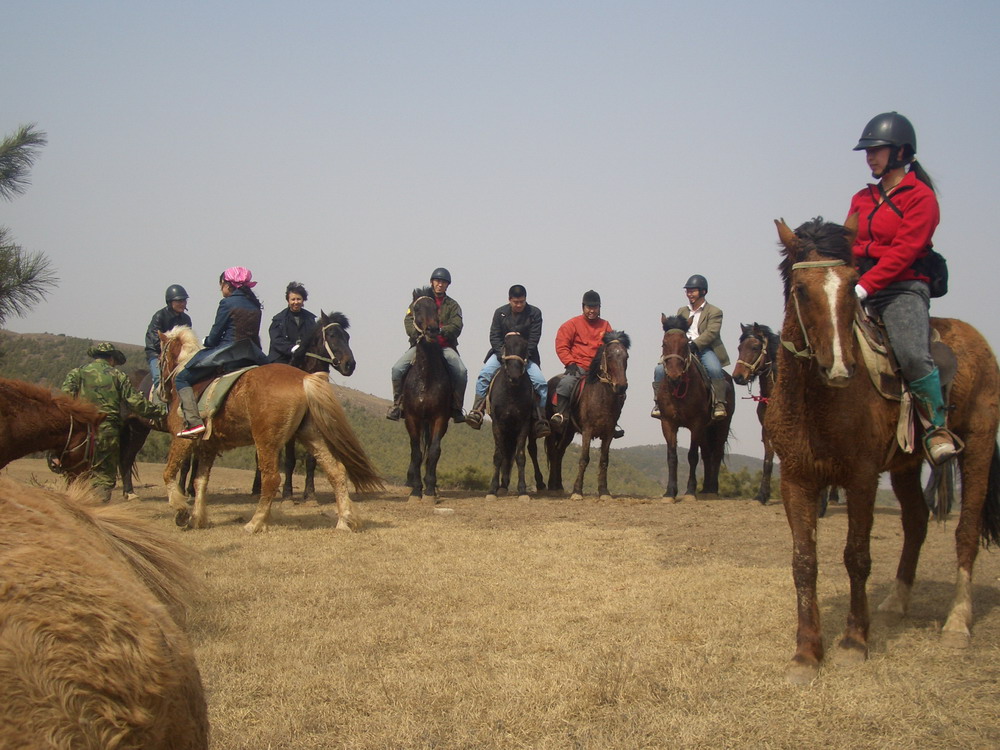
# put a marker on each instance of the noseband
(89, 439)
(514, 357)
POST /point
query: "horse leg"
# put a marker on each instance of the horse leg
(522, 438)
(670, 435)
(335, 473)
(199, 514)
(602, 470)
(586, 437)
(799, 499)
(270, 479)
(980, 466)
(491, 494)
(853, 645)
(555, 448)
(255, 488)
(180, 451)
(133, 437)
(692, 486)
(764, 493)
(310, 490)
(507, 455)
(416, 461)
(533, 453)
(913, 514)
(433, 455)
(286, 490)
(713, 450)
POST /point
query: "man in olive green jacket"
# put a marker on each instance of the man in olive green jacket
(108, 388)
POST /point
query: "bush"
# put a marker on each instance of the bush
(468, 477)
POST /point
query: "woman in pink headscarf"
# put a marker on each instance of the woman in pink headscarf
(233, 342)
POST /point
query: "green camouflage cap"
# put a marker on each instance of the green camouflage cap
(104, 349)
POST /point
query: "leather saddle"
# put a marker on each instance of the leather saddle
(211, 394)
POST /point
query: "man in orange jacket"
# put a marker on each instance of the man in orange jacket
(577, 342)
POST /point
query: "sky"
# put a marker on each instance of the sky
(565, 146)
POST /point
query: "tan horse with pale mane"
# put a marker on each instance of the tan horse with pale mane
(267, 407)
(92, 647)
(829, 426)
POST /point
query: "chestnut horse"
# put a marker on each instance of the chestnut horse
(512, 407)
(829, 426)
(684, 399)
(93, 651)
(36, 420)
(594, 415)
(266, 407)
(757, 359)
(426, 398)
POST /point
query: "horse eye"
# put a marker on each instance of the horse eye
(801, 291)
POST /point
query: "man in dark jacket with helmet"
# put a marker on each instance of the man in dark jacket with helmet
(171, 316)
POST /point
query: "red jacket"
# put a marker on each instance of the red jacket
(578, 340)
(894, 241)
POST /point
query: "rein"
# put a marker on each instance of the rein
(89, 439)
(807, 352)
(417, 327)
(515, 357)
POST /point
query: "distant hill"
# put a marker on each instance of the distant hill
(467, 458)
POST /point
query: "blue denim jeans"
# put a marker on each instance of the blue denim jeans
(492, 365)
(154, 370)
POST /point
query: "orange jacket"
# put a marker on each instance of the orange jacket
(578, 340)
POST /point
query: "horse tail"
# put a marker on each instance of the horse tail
(990, 533)
(157, 560)
(331, 421)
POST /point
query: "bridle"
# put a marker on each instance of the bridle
(513, 357)
(420, 330)
(760, 366)
(806, 352)
(686, 359)
(331, 359)
(603, 376)
(56, 463)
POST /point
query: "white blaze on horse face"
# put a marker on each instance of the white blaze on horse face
(832, 286)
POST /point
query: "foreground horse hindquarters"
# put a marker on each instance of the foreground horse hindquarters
(92, 647)
(266, 407)
(594, 415)
(829, 426)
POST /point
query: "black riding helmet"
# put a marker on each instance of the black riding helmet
(697, 281)
(591, 298)
(175, 292)
(441, 274)
(890, 129)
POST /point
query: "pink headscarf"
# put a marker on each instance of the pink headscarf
(239, 277)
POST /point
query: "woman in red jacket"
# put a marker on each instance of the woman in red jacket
(896, 220)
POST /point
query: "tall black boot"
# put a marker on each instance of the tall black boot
(395, 411)
(475, 417)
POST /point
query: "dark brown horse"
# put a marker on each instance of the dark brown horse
(830, 426)
(684, 399)
(36, 420)
(512, 407)
(327, 345)
(266, 407)
(594, 415)
(427, 396)
(757, 360)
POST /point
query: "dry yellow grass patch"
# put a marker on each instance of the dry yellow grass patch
(554, 624)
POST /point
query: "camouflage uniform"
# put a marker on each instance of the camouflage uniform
(110, 391)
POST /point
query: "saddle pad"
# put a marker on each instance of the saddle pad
(215, 395)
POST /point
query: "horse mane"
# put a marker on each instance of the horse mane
(594, 372)
(817, 236)
(676, 321)
(422, 291)
(189, 342)
(336, 317)
(71, 407)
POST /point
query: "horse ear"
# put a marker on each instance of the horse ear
(745, 328)
(851, 225)
(663, 319)
(786, 235)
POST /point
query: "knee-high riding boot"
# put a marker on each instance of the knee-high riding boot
(938, 440)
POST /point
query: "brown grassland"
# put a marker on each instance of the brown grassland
(559, 624)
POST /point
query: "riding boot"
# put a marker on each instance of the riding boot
(192, 419)
(719, 398)
(655, 414)
(939, 442)
(395, 411)
(475, 417)
(558, 419)
(541, 427)
(457, 415)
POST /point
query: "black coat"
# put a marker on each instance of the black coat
(163, 320)
(286, 333)
(528, 323)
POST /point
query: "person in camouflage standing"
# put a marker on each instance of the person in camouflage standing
(107, 388)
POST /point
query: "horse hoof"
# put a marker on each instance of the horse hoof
(606, 497)
(491, 497)
(181, 517)
(524, 498)
(801, 674)
(348, 524)
(131, 496)
(850, 655)
(954, 639)
(669, 499)
(414, 499)
(255, 528)
(687, 497)
(710, 496)
(576, 496)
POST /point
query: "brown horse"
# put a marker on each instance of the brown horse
(594, 415)
(757, 360)
(684, 399)
(93, 651)
(266, 408)
(36, 420)
(426, 398)
(829, 425)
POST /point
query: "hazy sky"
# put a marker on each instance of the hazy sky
(354, 147)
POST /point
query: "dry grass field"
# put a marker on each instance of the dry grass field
(559, 624)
